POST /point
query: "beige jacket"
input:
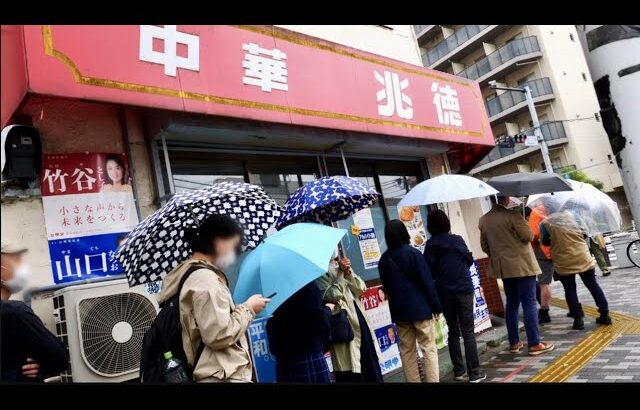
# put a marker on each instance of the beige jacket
(342, 292)
(569, 249)
(505, 237)
(207, 313)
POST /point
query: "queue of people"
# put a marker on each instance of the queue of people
(327, 315)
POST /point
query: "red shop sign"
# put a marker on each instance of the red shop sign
(255, 72)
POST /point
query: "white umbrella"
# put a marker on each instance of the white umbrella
(593, 211)
(446, 188)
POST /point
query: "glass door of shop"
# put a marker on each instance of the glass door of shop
(280, 175)
(393, 179)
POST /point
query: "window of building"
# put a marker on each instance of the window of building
(584, 77)
(281, 174)
(571, 37)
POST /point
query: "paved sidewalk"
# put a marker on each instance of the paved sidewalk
(596, 354)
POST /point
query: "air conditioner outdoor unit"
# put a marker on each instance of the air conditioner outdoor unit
(103, 324)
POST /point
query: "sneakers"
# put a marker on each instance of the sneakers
(516, 347)
(606, 273)
(604, 319)
(461, 377)
(543, 315)
(578, 323)
(540, 348)
(477, 378)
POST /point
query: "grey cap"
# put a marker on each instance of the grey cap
(12, 247)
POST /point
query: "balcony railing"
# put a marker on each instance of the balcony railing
(509, 51)
(553, 130)
(419, 27)
(450, 43)
(509, 99)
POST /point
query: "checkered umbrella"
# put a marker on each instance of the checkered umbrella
(158, 244)
(326, 200)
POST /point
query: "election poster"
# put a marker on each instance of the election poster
(481, 318)
(88, 208)
(367, 239)
(263, 361)
(376, 306)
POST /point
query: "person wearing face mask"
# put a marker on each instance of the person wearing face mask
(29, 351)
(356, 360)
(214, 328)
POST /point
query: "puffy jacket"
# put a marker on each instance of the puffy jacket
(208, 314)
(449, 260)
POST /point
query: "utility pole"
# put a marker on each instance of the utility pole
(612, 55)
(544, 148)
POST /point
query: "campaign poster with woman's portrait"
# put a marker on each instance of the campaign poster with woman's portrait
(88, 207)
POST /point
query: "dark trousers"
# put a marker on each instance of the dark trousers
(521, 290)
(571, 293)
(458, 312)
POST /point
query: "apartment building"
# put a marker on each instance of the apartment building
(550, 60)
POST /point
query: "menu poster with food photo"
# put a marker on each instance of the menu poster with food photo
(412, 219)
(367, 239)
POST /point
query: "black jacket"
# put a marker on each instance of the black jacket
(22, 336)
(449, 260)
(300, 326)
(407, 281)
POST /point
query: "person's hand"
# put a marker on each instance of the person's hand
(330, 306)
(436, 316)
(344, 264)
(31, 370)
(257, 303)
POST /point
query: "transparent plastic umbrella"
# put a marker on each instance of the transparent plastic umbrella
(585, 208)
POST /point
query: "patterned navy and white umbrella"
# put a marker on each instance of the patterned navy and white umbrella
(326, 200)
(158, 244)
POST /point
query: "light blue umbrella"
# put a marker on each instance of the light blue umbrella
(286, 261)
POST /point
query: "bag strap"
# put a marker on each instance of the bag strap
(192, 268)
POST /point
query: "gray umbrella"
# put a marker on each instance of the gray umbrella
(528, 183)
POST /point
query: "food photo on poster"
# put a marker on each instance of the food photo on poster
(88, 208)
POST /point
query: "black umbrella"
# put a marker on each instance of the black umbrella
(528, 183)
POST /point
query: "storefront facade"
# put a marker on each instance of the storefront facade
(194, 105)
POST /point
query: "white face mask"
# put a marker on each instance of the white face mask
(19, 280)
(227, 260)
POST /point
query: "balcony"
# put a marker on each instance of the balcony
(425, 31)
(503, 60)
(514, 102)
(553, 133)
(449, 44)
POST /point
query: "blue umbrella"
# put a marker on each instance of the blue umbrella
(286, 261)
(326, 200)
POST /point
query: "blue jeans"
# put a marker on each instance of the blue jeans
(522, 290)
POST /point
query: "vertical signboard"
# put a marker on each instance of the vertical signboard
(367, 239)
(88, 206)
(377, 311)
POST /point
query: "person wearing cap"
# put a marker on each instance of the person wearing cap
(30, 352)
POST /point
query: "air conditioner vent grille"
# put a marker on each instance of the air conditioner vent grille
(111, 331)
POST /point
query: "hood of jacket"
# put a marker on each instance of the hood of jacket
(440, 243)
(171, 281)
